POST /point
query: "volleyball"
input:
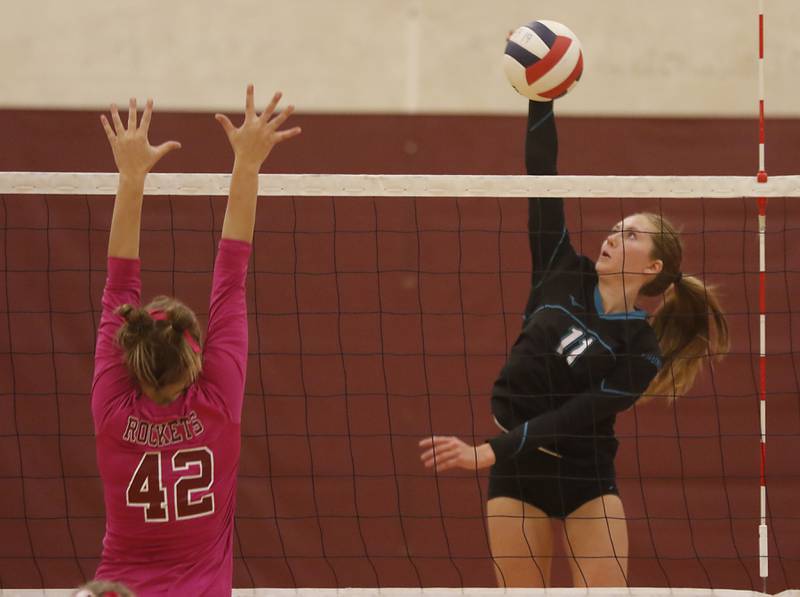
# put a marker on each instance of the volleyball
(543, 60)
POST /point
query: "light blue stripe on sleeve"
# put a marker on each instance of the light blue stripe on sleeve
(604, 388)
(524, 438)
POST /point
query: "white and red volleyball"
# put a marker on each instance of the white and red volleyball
(543, 60)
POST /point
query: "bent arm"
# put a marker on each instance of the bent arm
(580, 414)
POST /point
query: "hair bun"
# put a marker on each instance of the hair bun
(182, 319)
(124, 311)
(138, 320)
(177, 326)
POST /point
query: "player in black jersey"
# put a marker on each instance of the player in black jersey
(585, 353)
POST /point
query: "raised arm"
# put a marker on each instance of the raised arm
(547, 233)
(134, 157)
(251, 143)
(225, 352)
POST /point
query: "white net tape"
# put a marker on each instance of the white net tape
(364, 185)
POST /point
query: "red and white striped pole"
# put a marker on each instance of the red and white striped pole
(763, 560)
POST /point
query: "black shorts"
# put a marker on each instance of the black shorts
(554, 485)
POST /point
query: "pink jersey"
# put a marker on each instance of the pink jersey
(169, 472)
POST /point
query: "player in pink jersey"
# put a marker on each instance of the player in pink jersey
(167, 412)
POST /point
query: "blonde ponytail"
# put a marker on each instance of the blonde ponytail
(690, 325)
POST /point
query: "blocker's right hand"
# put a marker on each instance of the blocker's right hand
(253, 141)
(133, 153)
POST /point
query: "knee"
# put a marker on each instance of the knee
(604, 572)
(517, 572)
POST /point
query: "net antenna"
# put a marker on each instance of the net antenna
(763, 559)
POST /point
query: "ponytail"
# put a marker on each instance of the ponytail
(690, 326)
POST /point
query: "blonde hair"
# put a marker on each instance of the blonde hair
(160, 342)
(690, 325)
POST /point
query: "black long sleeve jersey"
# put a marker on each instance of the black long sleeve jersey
(573, 366)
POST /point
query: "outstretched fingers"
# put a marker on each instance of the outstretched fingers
(282, 117)
(282, 136)
(165, 148)
(258, 134)
(249, 104)
(146, 116)
(118, 126)
(112, 137)
(275, 124)
(132, 114)
(226, 124)
(270, 109)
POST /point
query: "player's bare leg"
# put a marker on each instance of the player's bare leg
(521, 540)
(597, 542)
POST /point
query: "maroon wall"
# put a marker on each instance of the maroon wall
(375, 322)
(74, 142)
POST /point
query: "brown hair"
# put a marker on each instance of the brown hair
(102, 588)
(154, 340)
(690, 324)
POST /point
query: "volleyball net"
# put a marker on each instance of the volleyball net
(381, 311)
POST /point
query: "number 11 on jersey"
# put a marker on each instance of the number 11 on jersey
(192, 497)
(574, 343)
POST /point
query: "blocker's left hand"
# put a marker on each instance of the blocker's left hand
(448, 452)
(253, 141)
